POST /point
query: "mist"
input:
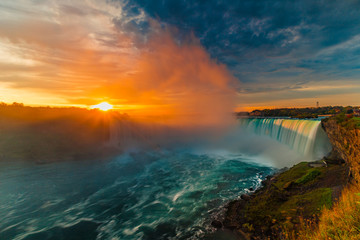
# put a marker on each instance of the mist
(175, 84)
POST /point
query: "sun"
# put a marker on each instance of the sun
(104, 106)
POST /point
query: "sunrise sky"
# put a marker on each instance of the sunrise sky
(188, 56)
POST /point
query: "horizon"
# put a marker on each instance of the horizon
(120, 110)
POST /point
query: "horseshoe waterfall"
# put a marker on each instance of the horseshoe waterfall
(306, 137)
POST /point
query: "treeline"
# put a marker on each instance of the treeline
(46, 134)
(348, 120)
(301, 112)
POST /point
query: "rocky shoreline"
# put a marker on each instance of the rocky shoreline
(288, 198)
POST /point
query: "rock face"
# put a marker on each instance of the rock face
(245, 197)
(346, 146)
(216, 224)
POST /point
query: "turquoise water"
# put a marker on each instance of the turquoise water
(141, 195)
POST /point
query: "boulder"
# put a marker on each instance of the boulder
(245, 197)
(216, 224)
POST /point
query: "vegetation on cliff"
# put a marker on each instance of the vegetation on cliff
(286, 201)
(300, 112)
(342, 221)
(348, 121)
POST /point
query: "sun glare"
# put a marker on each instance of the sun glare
(104, 106)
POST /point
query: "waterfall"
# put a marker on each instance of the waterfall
(303, 136)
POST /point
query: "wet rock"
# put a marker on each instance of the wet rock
(265, 182)
(317, 164)
(216, 224)
(245, 197)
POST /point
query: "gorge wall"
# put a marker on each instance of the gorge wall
(346, 145)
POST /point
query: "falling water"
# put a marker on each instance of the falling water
(303, 136)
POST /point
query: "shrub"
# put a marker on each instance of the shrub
(340, 222)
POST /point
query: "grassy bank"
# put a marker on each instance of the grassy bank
(286, 201)
(341, 222)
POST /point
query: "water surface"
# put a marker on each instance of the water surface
(140, 195)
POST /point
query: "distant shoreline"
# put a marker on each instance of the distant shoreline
(301, 113)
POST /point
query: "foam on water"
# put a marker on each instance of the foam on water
(140, 195)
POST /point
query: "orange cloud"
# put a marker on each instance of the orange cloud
(180, 81)
(81, 56)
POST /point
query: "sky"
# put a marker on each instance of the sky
(180, 55)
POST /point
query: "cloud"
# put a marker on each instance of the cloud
(178, 81)
(60, 39)
(328, 93)
(89, 52)
(256, 38)
(74, 48)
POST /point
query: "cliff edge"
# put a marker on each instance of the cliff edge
(346, 146)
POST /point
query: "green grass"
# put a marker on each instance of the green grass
(292, 195)
(309, 176)
(310, 202)
(292, 174)
(348, 121)
(357, 121)
(341, 222)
